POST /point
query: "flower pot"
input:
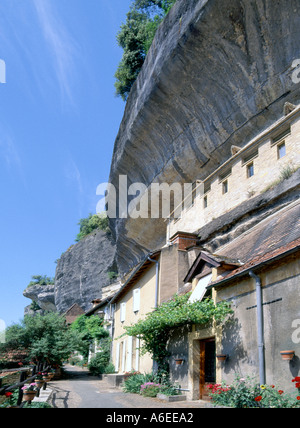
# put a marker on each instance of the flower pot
(47, 378)
(39, 383)
(221, 357)
(287, 355)
(179, 361)
(29, 395)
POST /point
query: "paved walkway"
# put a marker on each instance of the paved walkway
(79, 389)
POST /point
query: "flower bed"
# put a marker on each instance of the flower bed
(149, 385)
(245, 393)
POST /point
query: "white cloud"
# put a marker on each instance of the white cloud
(9, 154)
(73, 175)
(62, 46)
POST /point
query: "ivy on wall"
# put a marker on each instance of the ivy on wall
(155, 329)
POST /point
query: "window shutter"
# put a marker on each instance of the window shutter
(123, 356)
(129, 354)
(137, 354)
(117, 356)
(136, 300)
(200, 290)
(122, 312)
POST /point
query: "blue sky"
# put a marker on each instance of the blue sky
(59, 118)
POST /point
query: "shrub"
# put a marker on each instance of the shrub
(133, 383)
(137, 383)
(150, 389)
(99, 363)
(110, 369)
(92, 223)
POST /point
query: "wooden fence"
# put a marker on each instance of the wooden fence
(24, 379)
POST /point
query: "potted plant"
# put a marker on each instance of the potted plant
(46, 377)
(287, 355)
(179, 361)
(39, 380)
(29, 391)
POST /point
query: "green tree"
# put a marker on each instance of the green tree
(91, 223)
(46, 337)
(87, 330)
(135, 38)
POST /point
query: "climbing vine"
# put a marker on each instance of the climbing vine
(155, 329)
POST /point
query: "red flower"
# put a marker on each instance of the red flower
(280, 392)
(297, 385)
(258, 398)
(298, 398)
(8, 394)
(296, 379)
(272, 386)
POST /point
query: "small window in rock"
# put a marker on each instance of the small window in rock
(250, 170)
(225, 187)
(281, 150)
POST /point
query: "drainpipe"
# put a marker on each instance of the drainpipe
(155, 366)
(156, 280)
(260, 332)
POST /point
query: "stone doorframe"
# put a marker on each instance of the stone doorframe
(194, 339)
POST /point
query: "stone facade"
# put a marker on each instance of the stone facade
(248, 173)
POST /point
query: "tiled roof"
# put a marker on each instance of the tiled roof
(272, 238)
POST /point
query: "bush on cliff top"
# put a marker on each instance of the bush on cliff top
(135, 38)
(91, 223)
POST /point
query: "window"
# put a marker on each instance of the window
(136, 300)
(225, 187)
(205, 202)
(122, 312)
(250, 170)
(281, 150)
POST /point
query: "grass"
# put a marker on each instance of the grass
(285, 173)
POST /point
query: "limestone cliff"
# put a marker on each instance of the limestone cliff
(43, 295)
(218, 72)
(81, 276)
(82, 271)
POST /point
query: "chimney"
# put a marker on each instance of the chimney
(184, 240)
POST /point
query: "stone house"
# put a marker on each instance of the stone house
(158, 277)
(104, 310)
(244, 218)
(262, 284)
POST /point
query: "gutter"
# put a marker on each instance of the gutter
(260, 328)
(156, 279)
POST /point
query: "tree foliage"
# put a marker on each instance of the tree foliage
(155, 329)
(87, 330)
(46, 338)
(135, 38)
(91, 223)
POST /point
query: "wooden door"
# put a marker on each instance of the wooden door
(207, 366)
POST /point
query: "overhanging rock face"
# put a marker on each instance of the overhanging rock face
(217, 74)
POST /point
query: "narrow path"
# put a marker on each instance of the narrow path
(79, 389)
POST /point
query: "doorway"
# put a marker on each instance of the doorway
(207, 366)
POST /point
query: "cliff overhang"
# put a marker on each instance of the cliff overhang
(217, 74)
